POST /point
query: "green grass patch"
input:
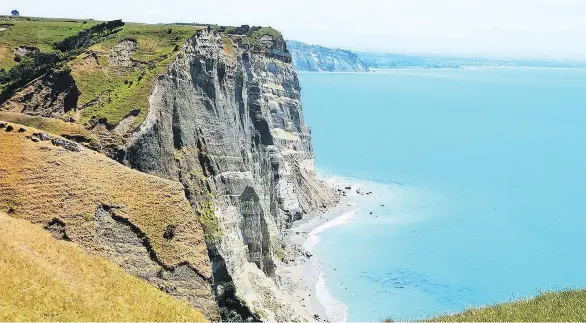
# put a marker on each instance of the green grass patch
(153, 40)
(248, 36)
(564, 306)
(35, 32)
(209, 221)
(263, 31)
(121, 90)
(279, 253)
(54, 126)
(114, 91)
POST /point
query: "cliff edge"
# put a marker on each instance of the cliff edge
(226, 121)
(213, 116)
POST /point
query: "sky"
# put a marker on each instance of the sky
(547, 29)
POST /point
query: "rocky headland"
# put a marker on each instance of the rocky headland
(184, 164)
(316, 58)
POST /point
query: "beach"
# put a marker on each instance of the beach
(301, 273)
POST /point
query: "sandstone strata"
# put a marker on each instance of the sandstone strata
(229, 126)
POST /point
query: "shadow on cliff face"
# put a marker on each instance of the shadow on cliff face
(256, 237)
(232, 133)
(255, 232)
(231, 308)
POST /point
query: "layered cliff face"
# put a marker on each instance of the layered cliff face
(212, 114)
(315, 58)
(227, 121)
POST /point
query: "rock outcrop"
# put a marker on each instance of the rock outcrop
(315, 58)
(52, 95)
(227, 123)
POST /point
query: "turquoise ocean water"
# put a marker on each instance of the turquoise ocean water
(489, 170)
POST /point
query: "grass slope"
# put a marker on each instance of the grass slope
(36, 32)
(125, 89)
(565, 306)
(50, 125)
(113, 92)
(44, 279)
(40, 181)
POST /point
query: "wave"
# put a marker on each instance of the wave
(340, 220)
(357, 199)
(335, 310)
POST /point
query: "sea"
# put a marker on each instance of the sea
(478, 179)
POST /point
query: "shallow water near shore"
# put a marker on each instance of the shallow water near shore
(483, 175)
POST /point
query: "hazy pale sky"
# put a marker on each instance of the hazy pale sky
(500, 28)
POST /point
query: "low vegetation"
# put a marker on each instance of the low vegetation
(110, 92)
(32, 62)
(209, 221)
(44, 279)
(54, 126)
(72, 185)
(88, 37)
(40, 33)
(111, 87)
(249, 36)
(564, 306)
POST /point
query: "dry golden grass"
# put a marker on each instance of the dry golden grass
(6, 56)
(44, 279)
(84, 63)
(40, 182)
(50, 125)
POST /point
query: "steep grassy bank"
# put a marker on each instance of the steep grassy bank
(140, 222)
(44, 279)
(202, 110)
(565, 306)
(113, 67)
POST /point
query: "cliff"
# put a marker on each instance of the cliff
(212, 114)
(322, 59)
(226, 121)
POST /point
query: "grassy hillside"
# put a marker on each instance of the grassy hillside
(122, 89)
(53, 126)
(35, 32)
(44, 279)
(565, 306)
(72, 185)
(113, 81)
(59, 185)
(113, 67)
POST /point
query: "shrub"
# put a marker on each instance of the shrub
(88, 37)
